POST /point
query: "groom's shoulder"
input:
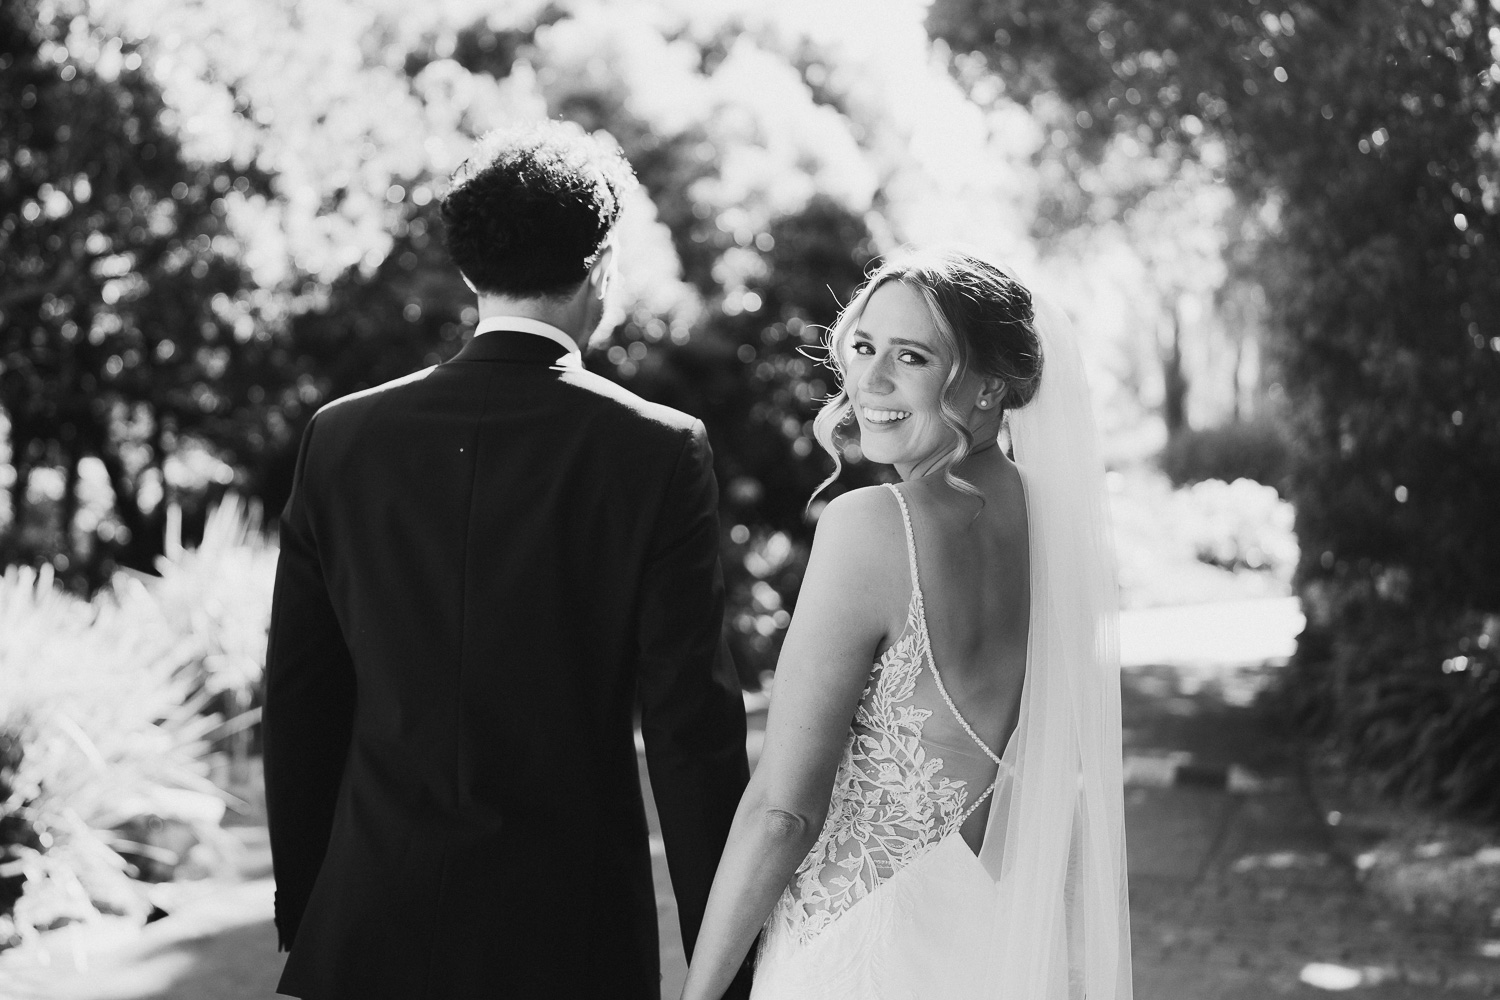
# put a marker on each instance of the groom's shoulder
(631, 411)
(339, 422)
(350, 407)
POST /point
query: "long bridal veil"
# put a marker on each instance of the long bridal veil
(1055, 840)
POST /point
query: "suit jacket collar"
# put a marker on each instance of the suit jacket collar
(528, 324)
(517, 346)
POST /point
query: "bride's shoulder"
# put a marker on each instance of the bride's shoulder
(862, 526)
(858, 558)
(868, 507)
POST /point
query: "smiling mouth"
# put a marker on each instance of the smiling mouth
(874, 416)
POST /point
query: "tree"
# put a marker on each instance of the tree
(755, 380)
(778, 154)
(1367, 134)
(770, 276)
(121, 310)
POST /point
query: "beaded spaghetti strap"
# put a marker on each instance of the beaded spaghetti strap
(911, 548)
(916, 586)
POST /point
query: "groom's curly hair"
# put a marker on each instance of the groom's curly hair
(531, 209)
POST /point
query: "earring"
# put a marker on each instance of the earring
(983, 404)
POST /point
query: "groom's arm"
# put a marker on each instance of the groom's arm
(308, 711)
(692, 712)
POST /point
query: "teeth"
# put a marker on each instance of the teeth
(884, 416)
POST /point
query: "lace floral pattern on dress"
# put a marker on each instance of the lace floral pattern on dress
(889, 801)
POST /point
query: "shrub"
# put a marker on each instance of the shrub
(216, 597)
(1410, 705)
(1255, 450)
(110, 721)
(1239, 525)
(1209, 541)
(103, 719)
(763, 573)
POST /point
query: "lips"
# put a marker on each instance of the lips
(883, 417)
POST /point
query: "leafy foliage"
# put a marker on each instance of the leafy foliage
(1365, 135)
(753, 378)
(317, 203)
(1404, 717)
(105, 729)
(114, 714)
(780, 148)
(215, 598)
(122, 327)
(759, 279)
(1255, 450)
(1210, 541)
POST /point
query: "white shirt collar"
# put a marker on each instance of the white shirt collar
(525, 324)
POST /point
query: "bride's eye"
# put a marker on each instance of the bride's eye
(863, 347)
(912, 358)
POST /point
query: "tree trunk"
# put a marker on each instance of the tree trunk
(140, 550)
(1174, 379)
(1236, 411)
(68, 513)
(20, 448)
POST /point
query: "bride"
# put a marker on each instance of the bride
(937, 812)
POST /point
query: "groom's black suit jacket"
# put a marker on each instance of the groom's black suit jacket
(484, 567)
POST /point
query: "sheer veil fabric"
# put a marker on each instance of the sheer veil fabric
(1055, 838)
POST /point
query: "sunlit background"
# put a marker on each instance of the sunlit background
(1273, 222)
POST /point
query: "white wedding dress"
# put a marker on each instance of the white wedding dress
(891, 901)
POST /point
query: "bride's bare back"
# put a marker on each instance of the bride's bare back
(925, 750)
(974, 566)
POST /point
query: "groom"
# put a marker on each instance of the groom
(485, 567)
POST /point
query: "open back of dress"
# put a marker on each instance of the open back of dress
(891, 901)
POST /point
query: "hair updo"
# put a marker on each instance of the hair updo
(983, 316)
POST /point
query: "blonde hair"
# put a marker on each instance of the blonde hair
(983, 316)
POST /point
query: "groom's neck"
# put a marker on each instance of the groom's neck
(567, 314)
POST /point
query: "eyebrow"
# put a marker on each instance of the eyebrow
(860, 332)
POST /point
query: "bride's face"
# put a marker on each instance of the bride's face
(895, 364)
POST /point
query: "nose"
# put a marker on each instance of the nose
(876, 377)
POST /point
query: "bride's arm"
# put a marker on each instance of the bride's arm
(855, 571)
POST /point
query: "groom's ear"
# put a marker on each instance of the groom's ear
(602, 269)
